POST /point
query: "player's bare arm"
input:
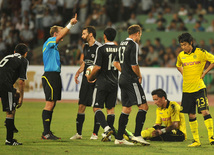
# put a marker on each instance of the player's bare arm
(180, 69)
(65, 30)
(136, 69)
(117, 65)
(80, 70)
(207, 70)
(159, 132)
(93, 74)
(21, 90)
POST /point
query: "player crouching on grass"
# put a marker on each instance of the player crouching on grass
(167, 113)
(12, 67)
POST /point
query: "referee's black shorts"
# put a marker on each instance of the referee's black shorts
(131, 92)
(52, 86)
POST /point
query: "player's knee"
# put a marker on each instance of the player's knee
(81, 108)
(205, 112)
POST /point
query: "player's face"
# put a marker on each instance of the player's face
(139, 34)
(159, 101)
(186, 47)
(85, 36)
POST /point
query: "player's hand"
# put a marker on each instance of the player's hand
(140, 79)
(87, 76)
(156, 133)
(19, 105)
(74, 20)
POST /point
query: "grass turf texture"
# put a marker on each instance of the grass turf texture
(29, 123)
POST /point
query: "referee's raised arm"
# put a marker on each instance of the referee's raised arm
(65, 30)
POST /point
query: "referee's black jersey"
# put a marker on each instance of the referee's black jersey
(12, 67)
(128, 56)
(105, 55)
(89, 54)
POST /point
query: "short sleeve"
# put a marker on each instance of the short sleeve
(23, 69)
(178, 63)
(134, 54)
(158, 118)
(98, 58)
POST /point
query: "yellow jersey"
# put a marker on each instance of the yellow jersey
(193, 66)
(171, 114)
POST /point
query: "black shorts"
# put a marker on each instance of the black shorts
(107, 96)
(86, 92)
(8, 99)
(131, 92)
(52, 86)
(190, 100)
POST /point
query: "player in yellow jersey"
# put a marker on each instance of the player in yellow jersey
(190, 63)
(167, 114)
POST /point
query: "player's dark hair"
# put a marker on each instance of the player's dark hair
(185, 37)
(21, 48)
(159, 93)
(134, 29)
(110, 34)
(91, 29)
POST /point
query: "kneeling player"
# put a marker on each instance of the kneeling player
(168, 113)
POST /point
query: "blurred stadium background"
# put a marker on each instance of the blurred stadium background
(162, 21)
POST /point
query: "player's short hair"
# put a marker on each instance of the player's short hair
(134, 29)
(21, 48)
(110, 34)
(54, 29)
(91, 29)
(159, 92)
(185, 37)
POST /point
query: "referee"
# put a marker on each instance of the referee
(51, 79)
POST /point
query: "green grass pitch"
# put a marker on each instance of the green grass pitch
(29, 122)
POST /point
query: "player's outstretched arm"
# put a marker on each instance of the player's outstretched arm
(65, 30)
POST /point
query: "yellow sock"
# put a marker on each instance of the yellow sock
(194, 130)
(147, 133)
(209, 125)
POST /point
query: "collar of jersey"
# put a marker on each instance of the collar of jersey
(193, 51)
(129, 39)
(109, 43)
(167, 104)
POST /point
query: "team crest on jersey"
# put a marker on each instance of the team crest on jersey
(92, 55)
(194, 56)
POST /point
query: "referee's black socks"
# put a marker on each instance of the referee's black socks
(140, 119)
(10, 127)
(46, 117)
(96, 125)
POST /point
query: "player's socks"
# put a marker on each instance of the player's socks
(194, 129)
(46, 117)
(9, 126)
(208, 121)
(140, 119)
(79, 122)
(123, 120)
(101, 118)
(110, 121)
(96, 126)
